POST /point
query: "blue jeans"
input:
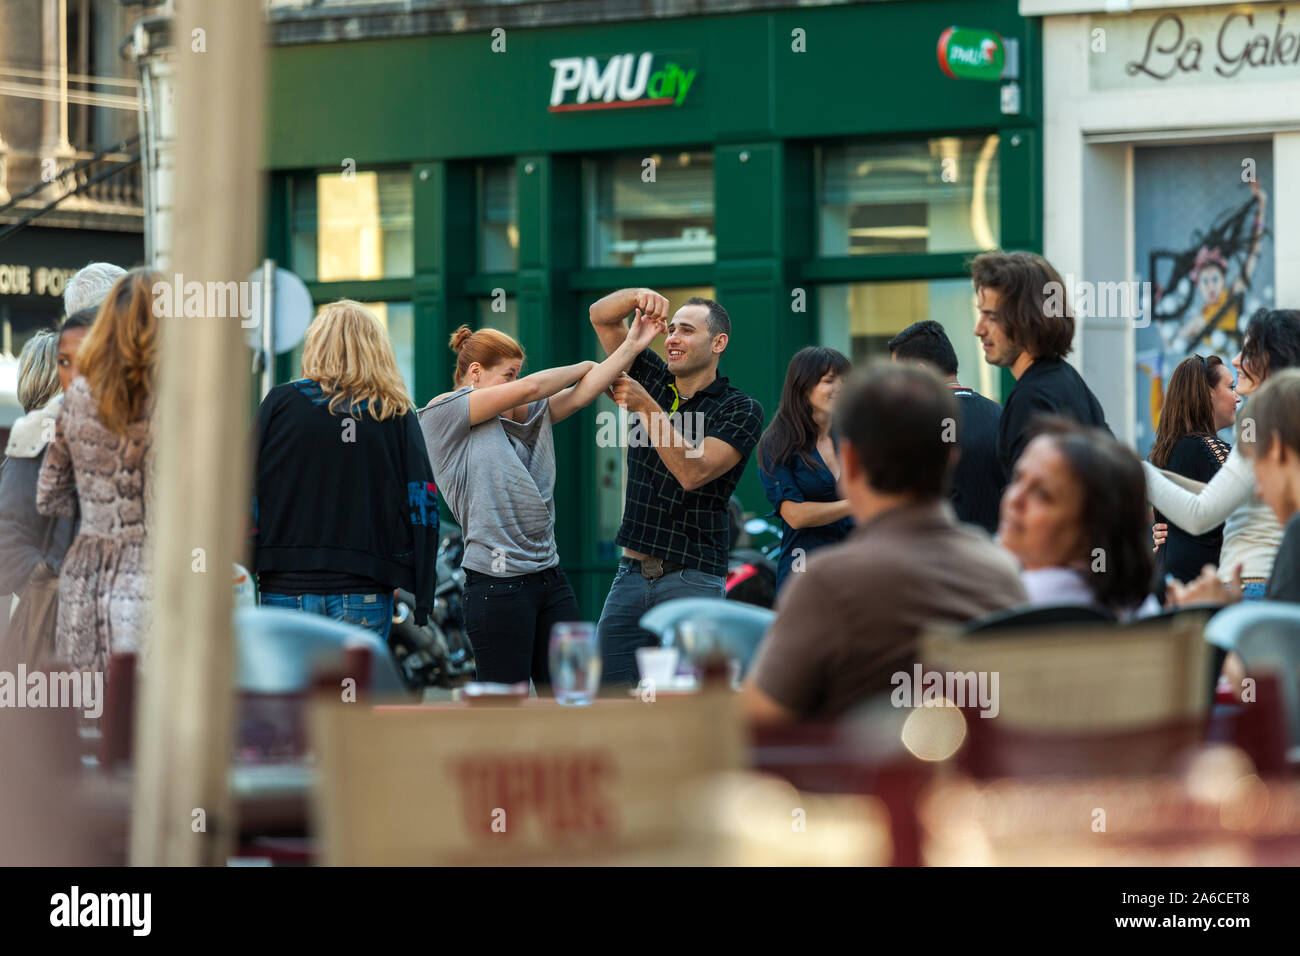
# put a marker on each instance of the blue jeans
(374, 612)
(1254, 589)
(630, 596)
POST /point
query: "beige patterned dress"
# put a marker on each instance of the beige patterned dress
(103, 584)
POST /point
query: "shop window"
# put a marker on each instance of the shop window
(349, 226)
(665, 221)
(939, 195)
(500, 313)
(860, 318)
(399, 319)
(498, 218)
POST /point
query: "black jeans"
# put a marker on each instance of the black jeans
(508, 621)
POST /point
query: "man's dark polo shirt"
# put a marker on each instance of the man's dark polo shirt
(661, 518)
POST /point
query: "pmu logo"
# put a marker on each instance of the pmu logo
(622, 81)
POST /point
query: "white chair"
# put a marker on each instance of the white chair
(1266, 636)
(699, 626)
(278, 650)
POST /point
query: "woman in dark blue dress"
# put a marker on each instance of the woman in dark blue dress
(797, 462)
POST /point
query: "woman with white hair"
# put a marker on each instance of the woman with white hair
(90, 286)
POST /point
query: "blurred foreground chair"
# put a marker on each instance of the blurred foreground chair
(611, 782)
(1076, 700)
(699, 627)
(1266, 636)
(281, 657)
(1030, 619)
(863, 755)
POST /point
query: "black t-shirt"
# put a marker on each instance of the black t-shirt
(1284, 583)
(1198, 457)
(1048, 387)
(977, 481)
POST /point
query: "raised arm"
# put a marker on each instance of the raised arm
(1198, 512)
(640, 334)
(699, 459)
(607, 314)
(487, 403)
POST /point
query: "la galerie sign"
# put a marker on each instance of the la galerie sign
(619, 82)
(1173, 48)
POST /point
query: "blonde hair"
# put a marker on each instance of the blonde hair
(487, 347)
(119, 356)
(348, 353)
(38, 370)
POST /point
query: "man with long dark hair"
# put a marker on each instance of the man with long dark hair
(1025, 325)
(977, 478)
(698, 431)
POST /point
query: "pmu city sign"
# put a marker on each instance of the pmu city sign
(966, 54)
(619, 82)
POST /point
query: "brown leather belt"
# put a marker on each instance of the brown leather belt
(652, 568)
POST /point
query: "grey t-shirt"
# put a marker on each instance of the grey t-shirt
(498, 479)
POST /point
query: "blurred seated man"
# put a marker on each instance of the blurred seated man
(850, 621)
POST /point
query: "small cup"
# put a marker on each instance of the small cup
(657, 664)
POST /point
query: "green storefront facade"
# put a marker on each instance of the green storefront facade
(813, 169)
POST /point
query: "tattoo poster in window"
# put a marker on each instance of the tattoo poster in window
(1203, 230)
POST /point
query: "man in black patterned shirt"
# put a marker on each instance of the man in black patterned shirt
(694, 434)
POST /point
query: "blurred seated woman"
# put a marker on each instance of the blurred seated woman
(1074, 516)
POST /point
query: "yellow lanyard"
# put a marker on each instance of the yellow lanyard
(676, 398)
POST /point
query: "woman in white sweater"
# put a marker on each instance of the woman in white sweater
(1251, 533)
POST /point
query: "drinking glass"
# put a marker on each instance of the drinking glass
(575, 662)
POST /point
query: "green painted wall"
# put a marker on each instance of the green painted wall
(438, 104)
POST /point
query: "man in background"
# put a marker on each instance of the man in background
(977, 479)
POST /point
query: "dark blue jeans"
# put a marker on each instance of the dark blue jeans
(374, 612)
(630, 596)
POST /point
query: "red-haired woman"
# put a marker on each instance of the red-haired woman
(493, 457)
(101, 459)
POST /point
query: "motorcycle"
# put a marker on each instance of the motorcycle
(438, 654)
(751, 567)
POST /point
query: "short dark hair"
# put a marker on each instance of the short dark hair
(79, 320)
(1113, 513)
(1035, 312)
(928, 342)
(719, 323)
(898, 417)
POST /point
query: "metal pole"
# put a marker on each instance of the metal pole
(268, 325)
